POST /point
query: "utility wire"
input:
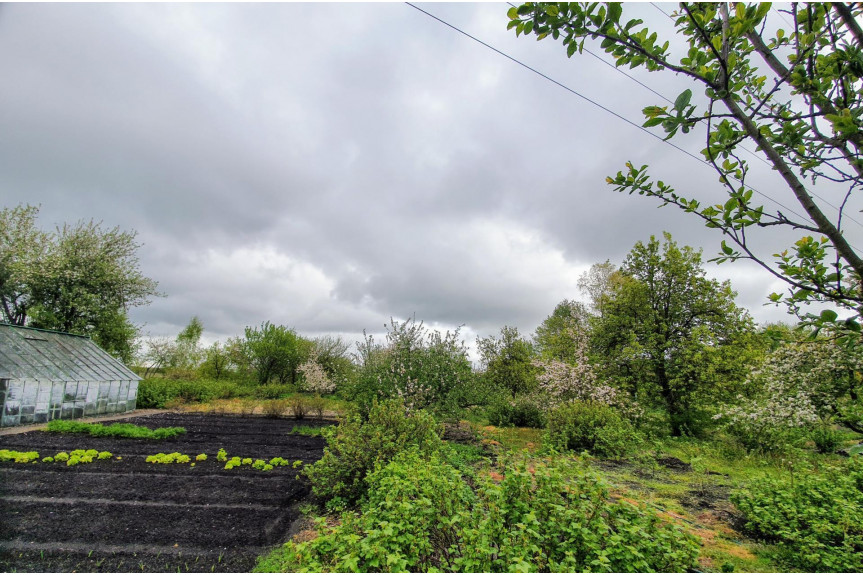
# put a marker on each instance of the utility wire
(597, 104)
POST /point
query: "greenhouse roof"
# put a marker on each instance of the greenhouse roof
(28, 353)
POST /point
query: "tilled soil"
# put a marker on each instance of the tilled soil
(124, 514)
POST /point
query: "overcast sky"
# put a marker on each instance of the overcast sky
(328, 166)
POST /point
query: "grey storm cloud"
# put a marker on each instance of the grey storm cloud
(328, 166)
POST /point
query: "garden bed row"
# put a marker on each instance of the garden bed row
(124, 514)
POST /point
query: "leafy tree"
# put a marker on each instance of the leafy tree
(556, 337)
(216, 362)
(188, 343)
(276, 352)
(159, 353)
(240, 357)
(799, 383)
(22, 249)
(81, 279)
(596, 283)
(794, 93)
(669, 334)
(508, 362)
(332, 354)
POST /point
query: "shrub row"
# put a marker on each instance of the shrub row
(155, 393)
(420, 515)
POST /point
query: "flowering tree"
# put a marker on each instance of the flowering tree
(576, 380)
(797, 385)
(316, 378)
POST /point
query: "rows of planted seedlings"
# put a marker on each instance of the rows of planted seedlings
(71, 458)
(79, 456)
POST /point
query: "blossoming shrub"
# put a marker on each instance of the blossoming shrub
(796, 386)
(561, 382)
(426, 369)
(590, 426)
(520, 412)
(816, 519)
(421, 516)
(355, 446)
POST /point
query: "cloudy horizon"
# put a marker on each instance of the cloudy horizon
(329, 166)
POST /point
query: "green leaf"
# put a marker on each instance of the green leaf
(551, 9)
(683, 100)
(512, 13)
(829, 315)
(614, 11)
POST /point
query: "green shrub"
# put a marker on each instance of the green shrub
(826, 437)
(316, 405)
(155, 393)
(355, 446)
(593, 427)
(521, 412)
(274, 391)
(420, 515)
(423, 367)
(275, 407)
(127, 430)
(298, 407)
(816, 519)
(759, 437)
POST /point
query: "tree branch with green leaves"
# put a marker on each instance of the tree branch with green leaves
(795, 94)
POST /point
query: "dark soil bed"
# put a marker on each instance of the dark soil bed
(124, 514)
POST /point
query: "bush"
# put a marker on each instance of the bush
(816, 519)
(298, 407)
(316, 405)
(273, 391)
(275, 407)
(355, 446)
(421, 516)
(827, 438)
(425, 368)
(522, 412)
(760, 437)
(587, 426)
(156, 393)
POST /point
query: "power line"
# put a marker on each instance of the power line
(597, 104)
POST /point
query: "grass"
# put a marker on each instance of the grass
(126, 430)
(307, 430)
(694, 495)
